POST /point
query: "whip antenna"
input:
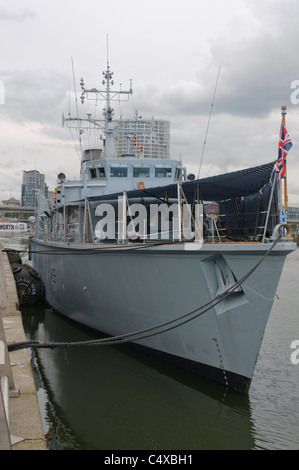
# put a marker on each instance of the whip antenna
(211, 110)
(79, 130)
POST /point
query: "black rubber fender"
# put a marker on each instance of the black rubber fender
(30, 287)
(14, 257)
(31, 271)
(16, 268)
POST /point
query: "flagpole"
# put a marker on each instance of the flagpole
(283, 113)
(280, 201)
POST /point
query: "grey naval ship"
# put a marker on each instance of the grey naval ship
(185, 268)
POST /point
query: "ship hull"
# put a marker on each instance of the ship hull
(123, 289)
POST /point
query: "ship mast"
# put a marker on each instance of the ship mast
(108, 96)
(109, 149)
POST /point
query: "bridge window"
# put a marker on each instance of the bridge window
(141, 172)
(178, 173)
(118, 171)
(93, 172)
(102, 173)
(162, 171)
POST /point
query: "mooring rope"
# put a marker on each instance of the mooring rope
(72, 251)
(148, 332)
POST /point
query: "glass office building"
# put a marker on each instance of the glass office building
(149, 138)
(33, 181)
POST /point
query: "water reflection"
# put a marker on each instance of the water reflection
(119, 398)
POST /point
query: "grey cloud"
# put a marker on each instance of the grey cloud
(258, 67)
(19, 15)
(34, 95)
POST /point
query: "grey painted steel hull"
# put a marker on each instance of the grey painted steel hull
(122, 289)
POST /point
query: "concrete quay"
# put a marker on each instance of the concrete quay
(24, 424)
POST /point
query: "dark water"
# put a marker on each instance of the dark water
(115, 398)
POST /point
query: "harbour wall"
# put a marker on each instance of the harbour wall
(21, 416)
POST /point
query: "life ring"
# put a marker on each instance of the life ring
(278, 231)
(141, 185)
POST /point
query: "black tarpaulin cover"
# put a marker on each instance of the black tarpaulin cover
(243, 197)
(239, 183)
(218, 188)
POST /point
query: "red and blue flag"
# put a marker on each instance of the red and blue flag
(284, 146)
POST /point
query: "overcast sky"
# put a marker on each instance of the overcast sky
(173, 51)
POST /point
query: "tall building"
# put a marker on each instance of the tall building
(293, 219)
(293, 214)
(151, 139)
(33, 181)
